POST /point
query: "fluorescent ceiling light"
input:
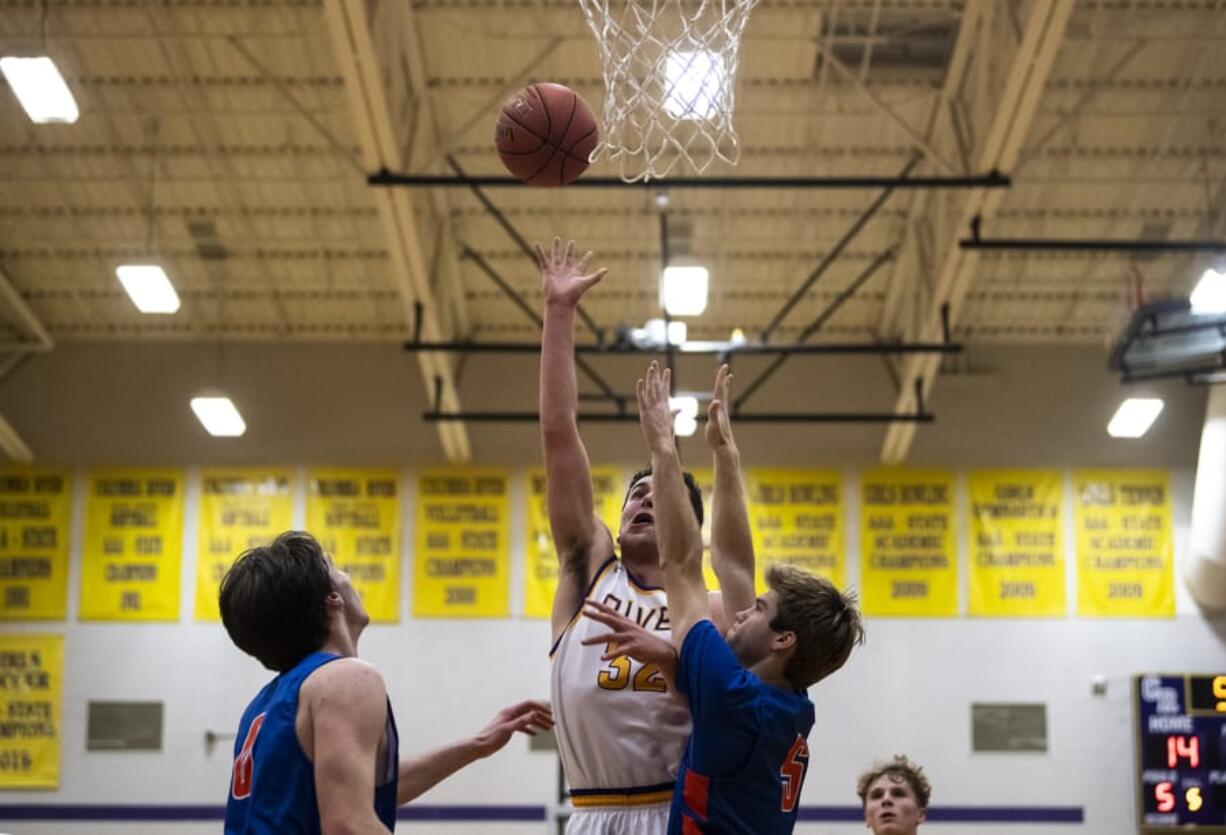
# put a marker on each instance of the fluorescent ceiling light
(149, 288)
(683, 290)
(696, 84)
(40, 88)
(1210, 293)
(685, 423)
(219, 416)
(738, 337)
(1134, 417)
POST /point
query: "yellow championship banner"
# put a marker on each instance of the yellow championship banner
(540, 558)
(796, 517)
(1125, 549)
(908, 552)
(461, 565)
(1016, 543)
(355, 515)
(704, 477)
(133, 545)
(31, 685)
(35, 522)
(239, 509)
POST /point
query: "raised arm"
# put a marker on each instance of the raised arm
(572, 520)
(732, 555)
(677, 534)
(421, 773)
(347, 706)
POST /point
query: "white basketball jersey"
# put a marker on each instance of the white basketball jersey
(621, 730)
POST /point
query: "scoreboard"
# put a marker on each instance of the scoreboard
(1181, 753)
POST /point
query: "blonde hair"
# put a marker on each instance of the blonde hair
(913, 773)
(826, 622)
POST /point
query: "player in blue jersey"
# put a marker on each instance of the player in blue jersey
(895, 797)
(317, 749)
(745, 762)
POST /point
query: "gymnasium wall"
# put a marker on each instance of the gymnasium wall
(908, 690)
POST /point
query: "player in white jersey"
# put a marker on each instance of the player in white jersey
(621, 729)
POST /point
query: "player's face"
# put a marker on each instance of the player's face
(890, 807)
(638, 522)
(750, 636)
(355, 612)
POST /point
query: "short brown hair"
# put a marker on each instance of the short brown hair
(825, 620)
(913, 773)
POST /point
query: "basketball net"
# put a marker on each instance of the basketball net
(669, 75)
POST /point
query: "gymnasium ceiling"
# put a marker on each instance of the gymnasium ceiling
(229, 141)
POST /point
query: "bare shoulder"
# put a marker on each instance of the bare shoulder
(351, 679)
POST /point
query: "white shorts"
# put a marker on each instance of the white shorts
(616, 820)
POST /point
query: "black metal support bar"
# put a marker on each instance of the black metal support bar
(814, 327)
(470, 347)
(763, 417)
(523, 245)
(507, 290)
(993, 179)
(1086, 244)
(847, 238)
(523, 305)
(418, 310)
(919, 395)
(669, 354)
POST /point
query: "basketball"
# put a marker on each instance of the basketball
(545, 134)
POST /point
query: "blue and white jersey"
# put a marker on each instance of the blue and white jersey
(746, 759)
(272, 784)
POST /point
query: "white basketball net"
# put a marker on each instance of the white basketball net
(669, 74)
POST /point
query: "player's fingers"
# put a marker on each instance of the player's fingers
(553, 249)
(584, 261)
(601, 607)
(598, 639)
(569, 257)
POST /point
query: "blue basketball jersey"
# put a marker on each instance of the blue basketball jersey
(746, 758)
(272, 785)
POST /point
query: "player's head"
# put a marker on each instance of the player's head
(895, 797)
(282, 601)
(804, 623)
(638, 522)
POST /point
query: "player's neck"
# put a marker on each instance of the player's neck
(340, 641)
(644, 563)
(771, 672)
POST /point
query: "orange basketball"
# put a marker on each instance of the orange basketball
(545, 134)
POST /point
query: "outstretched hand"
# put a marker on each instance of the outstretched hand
(564, 277)
(719, 426)
(526, 717)
(655, 415)
(625, 637)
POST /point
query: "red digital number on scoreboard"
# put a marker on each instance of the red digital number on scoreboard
(1182, 747)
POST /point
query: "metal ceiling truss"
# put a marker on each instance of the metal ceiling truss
(993, 179)
(998, 71)
(1087, 244)
(382, 144)
(725, 350)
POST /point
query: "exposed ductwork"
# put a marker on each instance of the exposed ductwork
(1205, 573)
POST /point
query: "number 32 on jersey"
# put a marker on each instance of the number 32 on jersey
(616, 676)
